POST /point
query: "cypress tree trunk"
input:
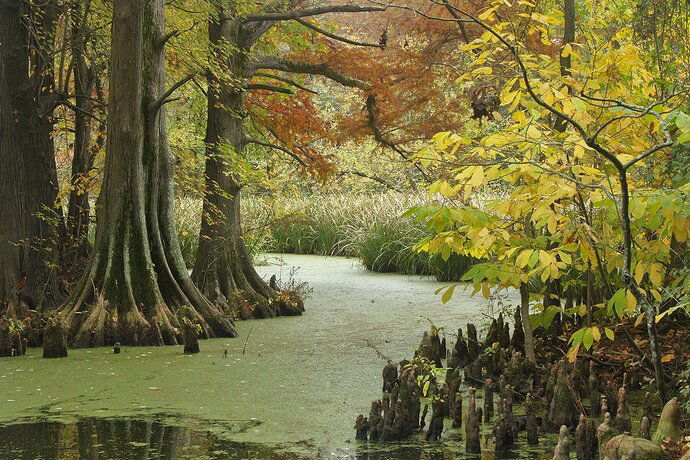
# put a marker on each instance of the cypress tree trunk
(135, 278)
(527, 323)
(28, 180)
(223, 268)
(84, 84)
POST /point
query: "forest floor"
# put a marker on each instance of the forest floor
(297, 382)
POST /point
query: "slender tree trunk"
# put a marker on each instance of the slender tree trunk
(223, 269)
(28, 180)
(527, 323)
(647, 307)
(135, 279)
(78, 214)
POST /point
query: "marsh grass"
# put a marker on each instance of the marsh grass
(368, 227)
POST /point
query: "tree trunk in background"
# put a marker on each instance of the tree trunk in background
(78, 214)
(28, 179)
(135, 279)
(527, 323)
(223, 268)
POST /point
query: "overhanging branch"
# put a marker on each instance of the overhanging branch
(285, 80)
(296, 157)
(324, 70)
(262, 86)
(337, 37)
(306, 12)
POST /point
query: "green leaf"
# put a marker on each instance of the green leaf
(609, 333)
(448, 294)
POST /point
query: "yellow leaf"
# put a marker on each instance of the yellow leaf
(655, 271)
(668, 357)
(572, 353)
(485, 290)
(482, 71)
(639, 272)
(630, 300)
(596, 333)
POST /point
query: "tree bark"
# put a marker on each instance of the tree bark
(136, 278)
(28, 179)
(527, 323)
(223, 269)
(78, 213)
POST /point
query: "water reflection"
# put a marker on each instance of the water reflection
(97, 439)
(100, 439)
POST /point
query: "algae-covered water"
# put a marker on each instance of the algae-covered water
(289, 387)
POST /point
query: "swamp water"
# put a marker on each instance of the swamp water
(289, 388)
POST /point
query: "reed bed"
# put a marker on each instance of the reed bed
(368, 227)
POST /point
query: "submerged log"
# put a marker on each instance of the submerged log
(669, 427)
(472, 443)
(55, 338)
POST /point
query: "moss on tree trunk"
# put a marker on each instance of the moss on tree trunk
(136, 279)
(223, 269)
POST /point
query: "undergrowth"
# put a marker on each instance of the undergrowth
(368, 227)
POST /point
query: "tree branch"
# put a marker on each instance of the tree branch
(285, 80)
(378, 135)
(263, 86)
(336, 37)
(277, 147)
(163, 39)
(370, 177)
(268, 62)
(306, 12)
(165, 98)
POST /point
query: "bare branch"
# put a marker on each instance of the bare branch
(263, 86)
(268, 62)
(378, 135)
(276, 147)
(371, 177)
(165, 98)
(337, 37)
(306, 12)
(285, 80)
(163, 39)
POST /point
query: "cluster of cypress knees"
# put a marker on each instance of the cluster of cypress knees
(497, 367)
